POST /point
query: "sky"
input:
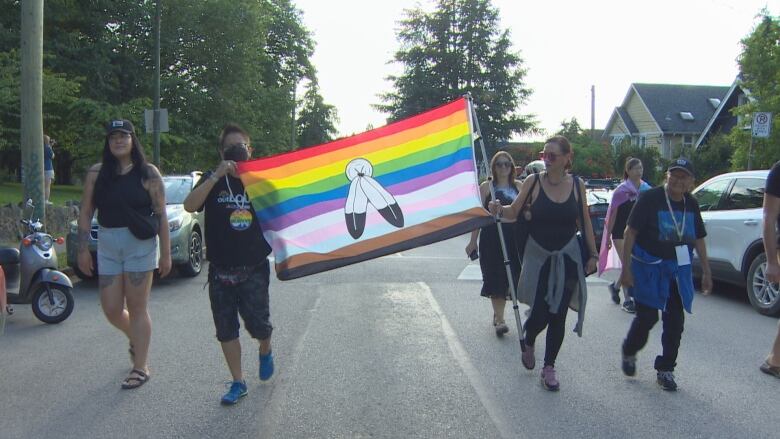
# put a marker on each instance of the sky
(567, 47)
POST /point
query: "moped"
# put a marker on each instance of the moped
(31, 274)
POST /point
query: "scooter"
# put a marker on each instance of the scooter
(31, 274)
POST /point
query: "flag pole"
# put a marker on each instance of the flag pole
(477, 135)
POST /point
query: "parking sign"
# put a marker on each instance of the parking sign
(762, 124)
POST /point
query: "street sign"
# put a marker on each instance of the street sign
(149, 122)
(762, 124)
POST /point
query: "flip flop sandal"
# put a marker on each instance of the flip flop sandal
(132, 382)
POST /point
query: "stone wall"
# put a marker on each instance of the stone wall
(57, 222)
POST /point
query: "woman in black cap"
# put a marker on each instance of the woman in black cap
(129, 196)
(663, 228)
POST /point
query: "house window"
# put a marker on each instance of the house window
(687, 141)
(642, 142)
(714, 102)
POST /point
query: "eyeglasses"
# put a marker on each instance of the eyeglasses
(503, 164)
(550, 156)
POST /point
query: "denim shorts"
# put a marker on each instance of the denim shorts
(119, 251)
(248, 297)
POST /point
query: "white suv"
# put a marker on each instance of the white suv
(731, 207)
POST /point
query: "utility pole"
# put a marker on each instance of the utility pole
(292, 114)
(593, 112)
(32, 104)
(156, 112)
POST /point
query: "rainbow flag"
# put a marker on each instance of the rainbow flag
(404, 185)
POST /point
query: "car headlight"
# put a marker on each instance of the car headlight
(44, 242)
(174, 224)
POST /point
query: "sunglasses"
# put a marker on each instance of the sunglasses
(503, 164)
(550, 156)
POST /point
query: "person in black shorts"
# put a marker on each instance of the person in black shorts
(491, 258)
(620, 206)
(771, 365)
(239, 272)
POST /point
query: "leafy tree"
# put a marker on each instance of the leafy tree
(456, 49)
(650, 157)
(221, 60)
(316, 122)
(591, 158)
(760, 68)
(712, 158)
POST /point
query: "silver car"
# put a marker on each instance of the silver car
(187, 247)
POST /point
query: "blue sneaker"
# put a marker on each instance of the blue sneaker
(236, 392)
(266, 366)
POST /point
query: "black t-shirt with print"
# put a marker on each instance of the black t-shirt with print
(655, 228)
(233, 235)
(773, 186)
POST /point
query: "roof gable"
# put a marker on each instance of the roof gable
(666, 101)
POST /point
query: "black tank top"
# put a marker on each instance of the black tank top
(131, 190)
(553, 224)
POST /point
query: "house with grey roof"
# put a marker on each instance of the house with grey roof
(664, 116)
(722, 121)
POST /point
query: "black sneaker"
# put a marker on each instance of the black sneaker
(666, 381)
(629, 365)
(629, 306)
(615, 293)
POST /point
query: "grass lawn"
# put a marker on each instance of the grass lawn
(12, 193)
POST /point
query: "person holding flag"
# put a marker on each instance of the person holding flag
(239, 271)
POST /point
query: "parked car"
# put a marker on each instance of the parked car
(732, 210)
(186, 229)
(598, 204)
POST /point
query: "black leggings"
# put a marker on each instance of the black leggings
(541, 317)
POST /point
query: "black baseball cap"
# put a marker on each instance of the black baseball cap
(683, 164)
(122, 125)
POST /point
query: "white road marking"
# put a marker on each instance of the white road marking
(497, 414)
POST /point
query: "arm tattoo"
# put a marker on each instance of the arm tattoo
(136, 278)
(83, 240)
(157, 193)
(105, 281)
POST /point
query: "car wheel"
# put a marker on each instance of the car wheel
(763, 295)
(194, 262)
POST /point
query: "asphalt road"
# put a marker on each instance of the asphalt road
(400, 347)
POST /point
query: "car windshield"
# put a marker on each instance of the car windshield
(177, 189)
(599, 197)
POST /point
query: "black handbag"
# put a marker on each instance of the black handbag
(584, 252)
(140, 225)
(521, 223)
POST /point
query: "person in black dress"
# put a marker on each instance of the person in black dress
(491, 258)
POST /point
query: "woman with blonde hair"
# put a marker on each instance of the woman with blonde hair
(495, 285)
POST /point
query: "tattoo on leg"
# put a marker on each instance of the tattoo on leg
(105, 281)
(136, 279)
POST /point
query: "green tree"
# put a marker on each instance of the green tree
(650, 157)
(317, 120)
(459, 48)
(221, 60)
(759, 64)
(591, 158)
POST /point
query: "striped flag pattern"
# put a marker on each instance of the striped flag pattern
(404, 185)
